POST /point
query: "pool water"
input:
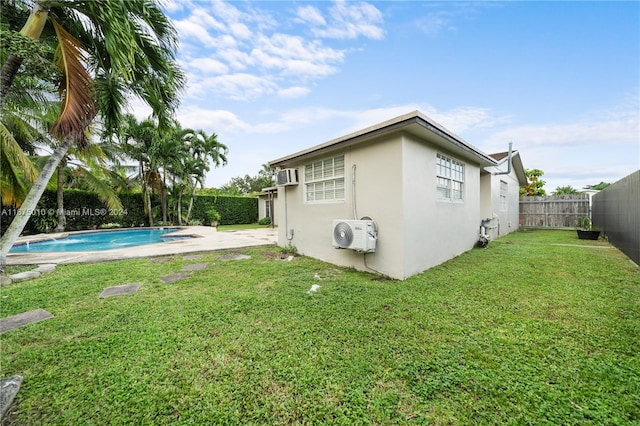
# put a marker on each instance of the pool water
(101, 240)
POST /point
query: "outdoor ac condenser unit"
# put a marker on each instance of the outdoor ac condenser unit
(359, 235)
(286, 177)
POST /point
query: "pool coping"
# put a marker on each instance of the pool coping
(39, 238)
(207, 239)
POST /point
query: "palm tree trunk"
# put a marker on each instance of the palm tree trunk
(193, 193)
(163, 196)
(9, 70)
(179, 206)
(145, 190)
(62, 219)
(32, 29)
(31, 201)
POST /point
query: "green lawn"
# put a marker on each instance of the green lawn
(539, 328)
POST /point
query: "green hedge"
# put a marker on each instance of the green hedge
(233, 210)
(84, 210)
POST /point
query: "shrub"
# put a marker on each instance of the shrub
(265, 221)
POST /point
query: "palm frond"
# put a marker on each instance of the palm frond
(16, 168)
(78, 109)
(101, 188)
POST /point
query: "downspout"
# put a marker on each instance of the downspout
(288, 233)
(508, 163)
(353, 192)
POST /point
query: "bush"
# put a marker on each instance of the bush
(233, 210)
(265, 221)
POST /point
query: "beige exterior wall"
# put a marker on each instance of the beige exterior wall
(436, 230)
(262, 208)
(503, 221)
(395, 186)
(378, 175)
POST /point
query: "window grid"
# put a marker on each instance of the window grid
(503, 195)
(449, 178)
(324, 180)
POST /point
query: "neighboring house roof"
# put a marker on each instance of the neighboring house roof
(499, 155)
(267, 191)
(415, 123)
(516, 162)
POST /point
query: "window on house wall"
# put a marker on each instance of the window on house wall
(324, 180)
(449, 178)
(504, 190)
(267, 209)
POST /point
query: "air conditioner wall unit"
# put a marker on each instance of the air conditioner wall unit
(359, 235)
(287, 177)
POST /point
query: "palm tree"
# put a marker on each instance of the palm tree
(136, 140)
(120, 47)
(165, 152)
(18, 138)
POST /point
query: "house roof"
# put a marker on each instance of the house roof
(415, 123)
(499, 155)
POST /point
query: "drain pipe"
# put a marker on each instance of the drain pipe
(353, 192)
(508, 163)
(286, 217)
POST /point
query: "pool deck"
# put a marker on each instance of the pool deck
(207, 239)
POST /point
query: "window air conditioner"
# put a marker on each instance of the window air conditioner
(359, 235)
(286, 177)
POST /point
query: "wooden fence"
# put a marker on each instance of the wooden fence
(554, 211)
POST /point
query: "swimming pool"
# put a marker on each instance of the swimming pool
(100, 240)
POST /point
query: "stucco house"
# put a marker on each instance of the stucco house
(413, 194)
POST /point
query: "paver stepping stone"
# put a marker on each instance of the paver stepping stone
(193, 257)
(9, 387)
(46, 268)
(235, 256)
(167, 279)
(119, 289)
(195, 267)
(24, 276)
(4, 280)
(17, 321)
(159, 259)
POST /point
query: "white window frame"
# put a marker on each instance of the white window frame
(504, 193)
(267, 209)
(324, 180)
(449, 179)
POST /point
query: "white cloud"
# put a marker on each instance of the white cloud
(347, 21)
(435, 22)
(221, 42)
(187, 29)
(240, 30)
(208, 65)
(310, 15)
(211, 120)
(293, 92)
(610, 131)
(239, 86)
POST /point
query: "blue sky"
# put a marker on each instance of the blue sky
(561, 80)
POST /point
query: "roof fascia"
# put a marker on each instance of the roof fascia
(398, 123)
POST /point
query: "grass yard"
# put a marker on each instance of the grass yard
(539, 328)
